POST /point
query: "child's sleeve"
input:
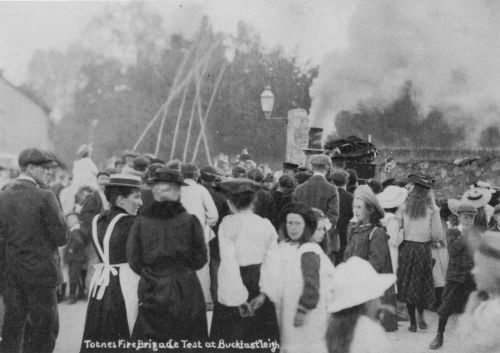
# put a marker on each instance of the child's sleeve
(309, 263)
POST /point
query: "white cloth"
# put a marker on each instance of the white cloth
(129, 280)
(394, 230)
(441, 266)
(84, 173)
(310, 337)
(197, 200)
(478, 329)
(245, 239)
(67, 200)
(369, 337)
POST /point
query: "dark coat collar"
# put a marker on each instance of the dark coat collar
(164, 209)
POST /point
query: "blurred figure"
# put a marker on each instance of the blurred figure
(339, 179)
(283, 195)
(84, 169)
(355, 308)
(290, 168)
(75, 255)
(269, 182)
(375, 185)
(352, 182)
(128, 157)
(264, 205)
(459, 281)
(210, 178)
(317, 192)
(238, 172)
(479, 326)
(197, 201)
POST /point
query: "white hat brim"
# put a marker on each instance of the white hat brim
(353, 297)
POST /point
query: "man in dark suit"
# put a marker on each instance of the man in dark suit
(31, 228)
(340, 178)
(319, 193)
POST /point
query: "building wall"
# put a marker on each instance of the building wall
(22, 122)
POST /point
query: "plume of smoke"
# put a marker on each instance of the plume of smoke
(449, 50)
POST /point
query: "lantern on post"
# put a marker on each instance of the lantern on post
(267, 103)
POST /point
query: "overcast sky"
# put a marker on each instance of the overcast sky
(308, 28)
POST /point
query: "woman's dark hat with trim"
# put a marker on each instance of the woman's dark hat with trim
(238, 186)
(167, 175)
(303, 210)
(421, 179)
(125, 180)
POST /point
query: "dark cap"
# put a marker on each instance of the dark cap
(238, 186)
(130, 153)
(421, 179)
(210, 174)
(141, 164)
(290, 166)
(37, 157)
(238, 171)
(189, 169)
(168, 175)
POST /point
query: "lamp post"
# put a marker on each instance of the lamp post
(267, 103)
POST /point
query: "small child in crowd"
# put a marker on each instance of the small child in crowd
(76, 257)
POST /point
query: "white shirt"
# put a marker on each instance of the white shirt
(197, 200)
(245, 239)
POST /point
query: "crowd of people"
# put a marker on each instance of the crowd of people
(302, 260)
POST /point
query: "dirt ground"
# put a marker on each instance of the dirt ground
(72, 319)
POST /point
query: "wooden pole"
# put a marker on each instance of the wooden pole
(196, 101)
(178, 122)
(176, 89)
(207, 112)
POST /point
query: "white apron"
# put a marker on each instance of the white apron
(129, 280)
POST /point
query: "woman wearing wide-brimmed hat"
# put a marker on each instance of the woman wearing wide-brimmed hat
(248, 254)
(368, 239)
(112, 307)
(422, 225)
(166, 247)
(355, 307)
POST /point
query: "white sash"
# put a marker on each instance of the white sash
(129, 280)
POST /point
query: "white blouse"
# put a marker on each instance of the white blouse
(245, 239)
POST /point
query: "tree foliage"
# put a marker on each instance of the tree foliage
(126, 71)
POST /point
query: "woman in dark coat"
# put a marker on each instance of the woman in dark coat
(166, 246)
(368, 240)
(112, 307)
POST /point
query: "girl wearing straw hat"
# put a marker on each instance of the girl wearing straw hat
(354, 308)
(113, 303)
(421, 224)
(368, 240)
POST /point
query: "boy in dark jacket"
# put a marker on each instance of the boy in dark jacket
(76, 257)
(459, 280)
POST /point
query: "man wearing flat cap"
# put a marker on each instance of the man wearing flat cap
(31, 228)
(319, 193)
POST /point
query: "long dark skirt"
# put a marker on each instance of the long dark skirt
(229, 326)
(106, 319)
(171, 306)
(415, 283)
(455, 296)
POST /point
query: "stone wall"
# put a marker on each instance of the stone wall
(455, 170)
